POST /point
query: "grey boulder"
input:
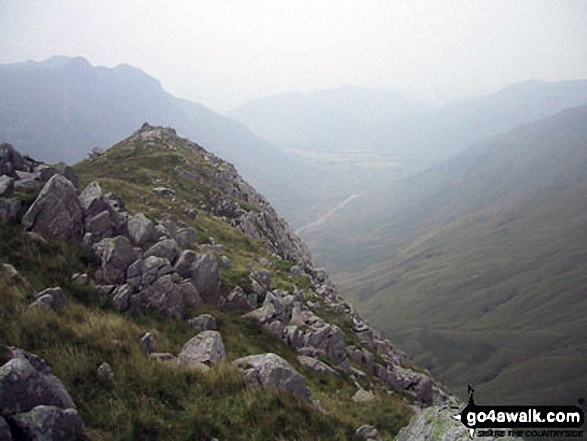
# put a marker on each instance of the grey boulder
(141, 230)
(271, 371)
(207, 347)
(116, 254)
(166, 248)
(26, 382)
(57, 211)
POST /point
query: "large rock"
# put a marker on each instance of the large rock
(206, 279)
(116, 254)
(10, 161)
(330, 339)
(27, 382)
(141, 230)
(203, 271)
(49, 423)
(166, 248)
(67, 172)
(272, 371)
(57, 211)
(51, 298)
(273, 309)
(238, 298)
(206, 347)
(144, 272)
(163, 295)
(102, 217)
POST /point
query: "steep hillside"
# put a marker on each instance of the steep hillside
(62, 108)
(488, 285)
(549, 152)
(183, 307)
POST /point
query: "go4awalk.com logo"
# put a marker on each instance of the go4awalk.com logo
(523, 421)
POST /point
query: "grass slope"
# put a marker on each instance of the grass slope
(495, 299)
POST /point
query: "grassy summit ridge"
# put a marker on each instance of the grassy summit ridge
(148, 399)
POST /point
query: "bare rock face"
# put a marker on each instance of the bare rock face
(57, 211)
(207, 347)
(271, 371)
(49, 423)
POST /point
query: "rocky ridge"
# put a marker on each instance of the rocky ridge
(161, 264)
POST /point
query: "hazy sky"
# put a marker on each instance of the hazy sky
(224, 52)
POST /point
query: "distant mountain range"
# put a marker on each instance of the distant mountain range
(350, 118)
(488, 284)
(61, 108)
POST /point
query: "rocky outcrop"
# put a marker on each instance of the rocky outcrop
(34, 403)
(272, 371)
(57, 211)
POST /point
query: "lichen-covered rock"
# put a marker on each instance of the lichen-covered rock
(57, 211)
(26, 383)
(271, 371)
(49, 423)
(206, 347)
